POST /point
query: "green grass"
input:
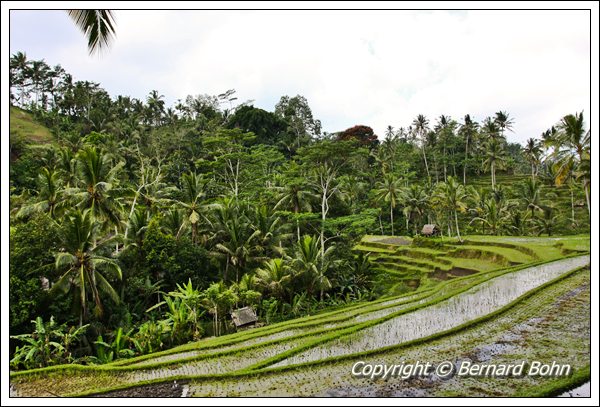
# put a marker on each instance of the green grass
(24, 127)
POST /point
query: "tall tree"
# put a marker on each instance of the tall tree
(415, 200)
(532, 152)
(297, 113)
(468, 130)
(192, 197)
(389, 191)
(82, 258)
(421, 126)
(573, 152)
(453, 196)
(97, 179)
(495, 157)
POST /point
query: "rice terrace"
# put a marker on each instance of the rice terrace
(208, 247)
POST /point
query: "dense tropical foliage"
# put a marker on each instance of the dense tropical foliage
(140, 226)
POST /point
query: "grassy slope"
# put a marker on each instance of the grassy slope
(24, 127)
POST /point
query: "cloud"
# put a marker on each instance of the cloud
(376, 68)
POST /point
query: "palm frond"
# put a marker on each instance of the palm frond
(97, 25)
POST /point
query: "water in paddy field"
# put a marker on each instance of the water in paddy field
(581, 391)
(471, 304)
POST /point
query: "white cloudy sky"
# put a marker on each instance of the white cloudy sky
(376, 68)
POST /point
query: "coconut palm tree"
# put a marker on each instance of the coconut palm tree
(271, 232)
(273, 277)
(548, 222)
(191, 200)
(81, 257)
(97, 25)
(49, 197)
(388, 190)
(504, 122)
(573, 152)
(97, 180)
(421, 127)
(236, 241)
(415, 200)
(528, 193)
(311, 263)
(468, 131)
(495, 157)
(496, 214)
(453, 197)
(532, 152)
(297, 196)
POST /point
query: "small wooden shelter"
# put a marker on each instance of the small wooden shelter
(244, 318)
(430, 230)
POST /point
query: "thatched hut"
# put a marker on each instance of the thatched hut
(430, 230)
(244, 318)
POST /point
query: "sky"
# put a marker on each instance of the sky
(375, 68)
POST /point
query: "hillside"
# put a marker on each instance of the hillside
(514, 300)
(25, 131)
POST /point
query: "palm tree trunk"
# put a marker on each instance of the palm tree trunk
(445, 165)
(587, 195)
(465, 162)
(392, 218)
(533, 172)
(380, 224)
(572, 208)
(457, 229)
(425, 159)
(493, 177)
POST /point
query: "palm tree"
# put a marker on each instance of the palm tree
(270, 232)
(274, 277)
(495, 215)
(156, 106)
(49, 195)
(495, 158)
(573, 152)
(297, 196)
(236, 241)
(415, 200)
(548, 221)
(193, 194)
(97, 181)
(532, 152)
(504, 122)
(421, 125)
(19, 65)
(468, 131)
(388, 190)
(81, 257)
(310, 261)
(453, 197)
(445, 131)
(96, 25)
(529, 194)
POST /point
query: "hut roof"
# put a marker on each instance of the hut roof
(429, 229)
(243, 316)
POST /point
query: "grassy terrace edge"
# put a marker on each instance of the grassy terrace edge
(254, 371)
(479, 279)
